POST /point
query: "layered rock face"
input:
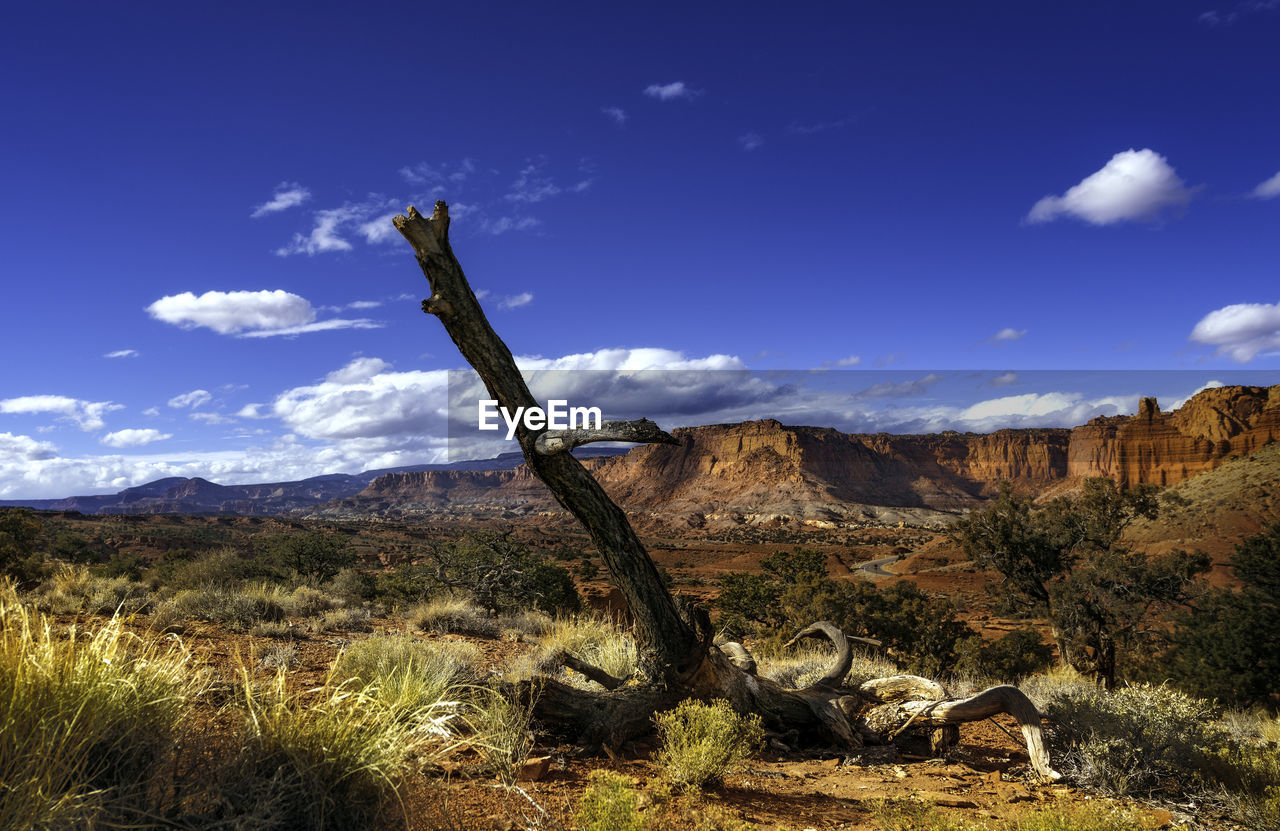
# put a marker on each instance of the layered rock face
(1166, 448)
(765, 467)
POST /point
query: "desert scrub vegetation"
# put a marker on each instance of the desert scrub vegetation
(593, 639)
(704, 743)
(919, 631)
(328, 759)
(796, 668)
(1156, 742)
(88, 719)
(455, 614)
(409, 675)
(74, 589)
(238, 609)
(610, 803)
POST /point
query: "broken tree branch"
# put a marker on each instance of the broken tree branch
(670, 649)
(642, 431)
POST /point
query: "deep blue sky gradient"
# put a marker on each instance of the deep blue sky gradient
(882, 214)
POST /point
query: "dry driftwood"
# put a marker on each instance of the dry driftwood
(678, 657)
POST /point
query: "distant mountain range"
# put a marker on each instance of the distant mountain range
(178, 495)
(765, 472)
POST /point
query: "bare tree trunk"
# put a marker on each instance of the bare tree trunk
(675, 638)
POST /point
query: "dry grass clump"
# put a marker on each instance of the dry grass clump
(459, 615)
(917, 815)
(88, 719)
(590, 638)
(703, 743)
(332, 763)
(306, 601)
(799, 668)
(73, 590)
(344, 620)
(610, 803)
(410, 675)
(237, 609)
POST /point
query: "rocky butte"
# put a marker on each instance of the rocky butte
(763, 470)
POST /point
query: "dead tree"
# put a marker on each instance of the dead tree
(678, 657)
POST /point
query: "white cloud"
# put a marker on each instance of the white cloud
(250, 314)
(380, 229)
(134, 437)
(324, 237)
(210, 418)
(1008, 379)
(1134, 185)
(503, 224)
(533, 184)
(1268, 189)
(750, 141)
(1007, 334)
(618, 114)
(19, 450)
(670, 92)
(439, 175)
(287, 195)
(851, 360)
(515, 301)
(821, 126)
(366, 401)
(87, 415)
(122, 353)
(193, 399)
(903, 389)
(1241, 331)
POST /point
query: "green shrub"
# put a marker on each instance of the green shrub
(610, 803)
(1009, 658)
(703, 743)
(19, 530)
(306, 601)
(223, 569)
(1143, 739)
(312, 554)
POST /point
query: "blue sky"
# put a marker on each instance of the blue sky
(201, 278)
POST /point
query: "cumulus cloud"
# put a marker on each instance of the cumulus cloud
(1269, 189)
(515, 301)
(87, 415)
(288, 195)
(247, 313)
(618, 114)
(1006, 379)
(1241, 331)
(1134, 185)
(193, 399)
(122, 353)
(365, 400)
(750, 141)
(134, 437)
(851, 360)
(1052, 409)
(670, 92)
(1007, 334)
